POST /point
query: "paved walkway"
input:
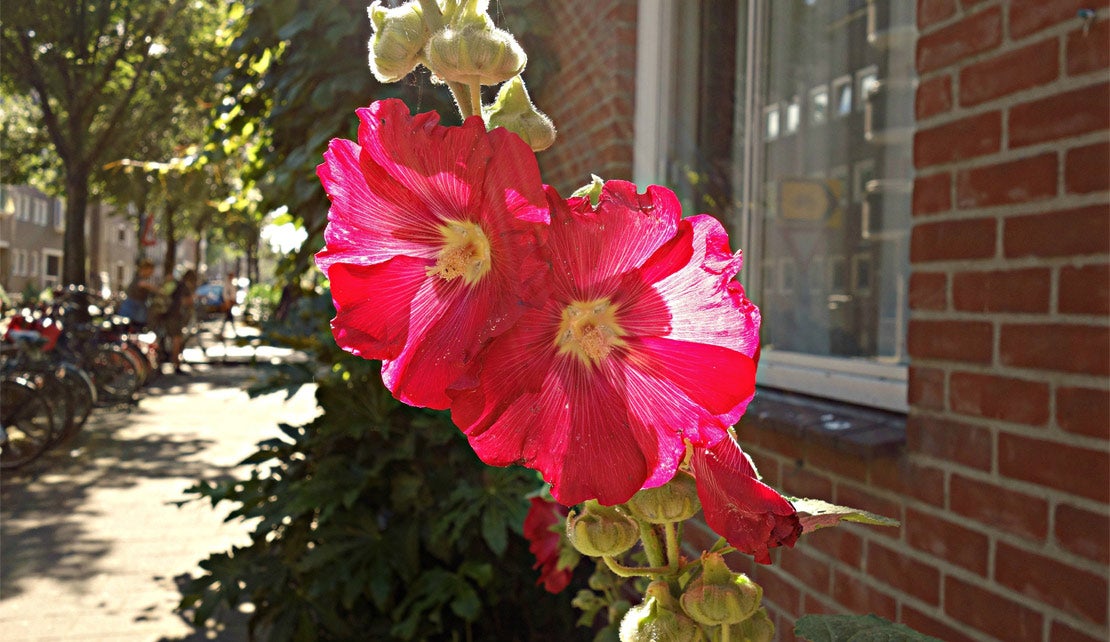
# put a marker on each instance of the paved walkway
(91, 547)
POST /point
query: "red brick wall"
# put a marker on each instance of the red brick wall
(1004, 484)
(592, 111)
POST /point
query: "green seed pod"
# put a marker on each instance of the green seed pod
(398, 40)
(601, 531)
(675, 501)
(514, 111)
(471, 49)
(657, 619)
(719, 596)
(757, 628)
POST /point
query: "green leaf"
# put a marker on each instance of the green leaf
(815, 514)
(855, 628)
(493, 530)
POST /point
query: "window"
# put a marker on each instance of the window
(20, 267)
(52, 268)
(819, 201)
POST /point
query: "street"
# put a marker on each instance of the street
(91, 545)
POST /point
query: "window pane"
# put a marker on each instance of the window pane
(840, 224)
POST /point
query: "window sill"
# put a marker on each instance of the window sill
(867, 433)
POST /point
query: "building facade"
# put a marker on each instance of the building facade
(922, 193)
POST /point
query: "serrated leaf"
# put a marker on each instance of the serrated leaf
(815, 514)
(493, 530)
(855, 628)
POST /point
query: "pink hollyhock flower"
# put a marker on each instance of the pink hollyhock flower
(644, 342)
(752, 516)
(430, 243)
(543, 527)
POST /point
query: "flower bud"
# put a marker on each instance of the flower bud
(601, 531)
(657, 619)
(399, 37)
(719, 596)
(470, 49)
(757, 628)
(675, 501)
(514, 111)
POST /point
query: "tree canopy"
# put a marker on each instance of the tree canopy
(105, 80)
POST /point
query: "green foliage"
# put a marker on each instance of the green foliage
(855, 628)
(374, 521)
(815, 514)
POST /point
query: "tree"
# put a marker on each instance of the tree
(99, 72)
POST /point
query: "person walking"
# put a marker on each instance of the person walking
(138, 293)
(230, 293)
(178, 316)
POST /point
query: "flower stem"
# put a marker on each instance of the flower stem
(725, 632)
(651, 544)
(476, 98)
(633, 571)
(673, 551)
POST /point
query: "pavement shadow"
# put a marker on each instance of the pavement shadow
(46, 504)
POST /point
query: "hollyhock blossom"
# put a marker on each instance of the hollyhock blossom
(644, 342)
(752, 516)
(543, 527)
(430, 243)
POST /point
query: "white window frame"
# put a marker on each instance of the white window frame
(870, 382)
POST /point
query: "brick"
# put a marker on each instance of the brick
(1081, 349)
(1029, 16)
(1084, 290)
(948, 541)
(929, 625)
(840, 543)
(926, 388)
(974, 34)
(1060, 116)
(934, 96)
(1083, 532)
(996, 397)
(1025, 290)
(1019, 181)
(1087, 169)
(1074, 232)
(1043, 579)
(997, 506)
(950, 440)
(778, 590)
(1063, 633)
(964, 341)
(800, 481)
(1010, 72)
(1069, 469)
(953, 240)
(815, 574)
(824, 458)
(928, 291)
(932, 194)
(966, 138)
(858, 597)
(1083, 411)
(903, 573)
(989, 612)
(909, 479)
(930, 12)
(767, 465)
(1088, 51)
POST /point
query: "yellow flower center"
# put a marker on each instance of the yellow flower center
(589, 330)
(465, 253)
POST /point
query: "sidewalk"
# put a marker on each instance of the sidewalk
(91, 547)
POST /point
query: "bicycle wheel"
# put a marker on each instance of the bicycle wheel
(26, 423)
(82, 392)
(115, 374)
(48, 381)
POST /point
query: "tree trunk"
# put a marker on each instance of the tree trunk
(77, 199)
(170, 260)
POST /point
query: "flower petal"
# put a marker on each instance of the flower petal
(752, 516)
(372, 304)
